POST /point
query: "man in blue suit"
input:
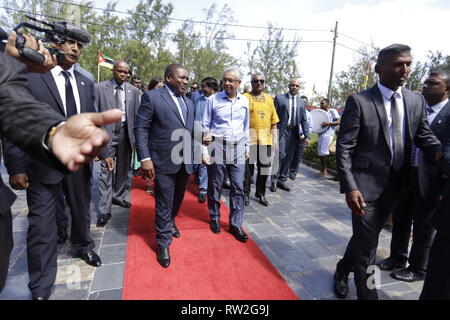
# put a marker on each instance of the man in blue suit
(163, 129)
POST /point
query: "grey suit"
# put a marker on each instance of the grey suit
(364, 164)
(114, 185)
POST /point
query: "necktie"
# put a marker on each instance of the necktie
(183, 107)
(430, 110)
(292, 124)
(397, 124)
(71, 106)
(413, 154)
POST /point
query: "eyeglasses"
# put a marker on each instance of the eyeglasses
(258, 81)
(226, 80)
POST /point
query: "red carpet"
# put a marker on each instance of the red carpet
(204, 266)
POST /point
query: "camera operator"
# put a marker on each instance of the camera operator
(46, 135)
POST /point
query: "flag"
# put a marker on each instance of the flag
(105, 61)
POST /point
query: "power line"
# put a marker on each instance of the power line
(189, 20)
(351, 38)
(167, 33)
(357, 51)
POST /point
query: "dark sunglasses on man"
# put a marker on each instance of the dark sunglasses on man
(258, 81)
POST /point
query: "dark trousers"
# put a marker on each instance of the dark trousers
(43, 200)
(293, 143)
(361, 250)
(297, 157)
(6, 245)
(169, 195)
(418, 211)
(437, 280)
(263, 157)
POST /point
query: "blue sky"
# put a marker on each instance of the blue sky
(418, 23)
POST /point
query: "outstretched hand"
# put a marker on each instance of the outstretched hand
(80, 139)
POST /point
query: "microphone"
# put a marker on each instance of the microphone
(71, 31)
(3, 34)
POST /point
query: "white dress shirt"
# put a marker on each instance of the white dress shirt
(175, 99)
(387, 93)
(60, 80)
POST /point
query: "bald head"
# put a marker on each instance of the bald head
(294, 86)
(120, 71)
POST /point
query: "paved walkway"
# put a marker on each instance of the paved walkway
(304, 233)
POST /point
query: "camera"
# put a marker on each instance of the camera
(56, 33)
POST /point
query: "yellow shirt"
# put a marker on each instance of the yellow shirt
(262, 116)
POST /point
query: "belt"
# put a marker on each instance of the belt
(227, 142)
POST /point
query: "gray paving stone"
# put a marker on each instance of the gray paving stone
(113, 253)
(20, 267)
(264, 230)
(20, 224)
(115, 294)
(79, 291)
(108, 277)
(318, 283)
(117, 223)
(314, 249)
(115, 236)
(16, 288)
(279, 244)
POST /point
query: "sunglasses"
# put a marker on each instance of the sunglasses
(258, 81)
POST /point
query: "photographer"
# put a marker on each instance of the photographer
(40, 131)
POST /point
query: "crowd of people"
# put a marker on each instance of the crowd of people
(392, 148)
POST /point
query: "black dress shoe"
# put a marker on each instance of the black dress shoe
(263, 200)
(292, 176)
(215, 226)
(273, 187)
(175, 231)
(164, 256)
(284, 187)
(121, 203)
(340, 284)
(226, 185)
(389, 264)
(103, 219)
(238, 233)
(40, 298)
(408, 275)
(91, 258)
(201, 198)
(246, 200)
(62, 235)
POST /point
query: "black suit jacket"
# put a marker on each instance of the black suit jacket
(44, 89)
(441, 218)
(430, 175)
(282, 106)
(362, 149)
(23, 120)
(156, 120)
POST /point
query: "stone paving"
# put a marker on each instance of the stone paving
(303, 232)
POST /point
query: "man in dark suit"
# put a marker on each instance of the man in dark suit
(69, 93)
(27, 123)
(377, 130)
(424, 187)
(437, 280)
(292, 114)
(113, 183)
(163, 130)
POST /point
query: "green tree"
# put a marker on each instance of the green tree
(275, 59)
(203, 51)
(354, 79)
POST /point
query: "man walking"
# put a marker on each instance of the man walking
(226, 121)
(425, 184)
(377, 130)
(291, 112)
(164, 121)
(113, 182)
(263, 138)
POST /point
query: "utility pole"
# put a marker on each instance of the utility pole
(332, 60)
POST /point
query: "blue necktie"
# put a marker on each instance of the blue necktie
(430, 110)
(183, 107)
(71, 106)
